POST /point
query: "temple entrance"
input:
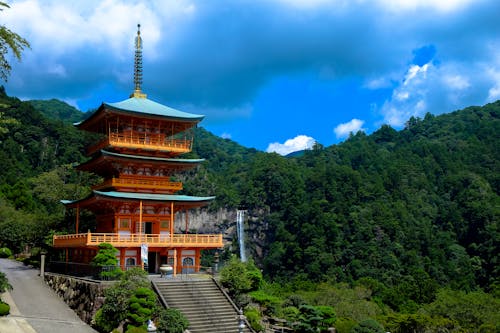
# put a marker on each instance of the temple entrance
(188, 265)
(152, 262)
(148, 228)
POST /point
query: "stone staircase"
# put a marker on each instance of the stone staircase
(202, 302)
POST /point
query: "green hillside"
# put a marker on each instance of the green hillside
(410, 216)
(388, 205)
(59, 110)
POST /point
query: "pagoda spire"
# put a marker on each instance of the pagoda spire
(138, 66)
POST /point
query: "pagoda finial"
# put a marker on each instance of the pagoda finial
(138, 65)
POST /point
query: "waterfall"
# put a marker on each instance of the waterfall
(240, 214)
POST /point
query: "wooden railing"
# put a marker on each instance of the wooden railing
(149, 183)
(134, 240)
(144, 141)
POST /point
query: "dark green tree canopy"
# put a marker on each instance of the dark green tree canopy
(9, 42)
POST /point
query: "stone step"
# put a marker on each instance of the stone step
(202, 303)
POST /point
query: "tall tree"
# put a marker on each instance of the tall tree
(9, 40)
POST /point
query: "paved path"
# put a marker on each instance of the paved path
(35, 308)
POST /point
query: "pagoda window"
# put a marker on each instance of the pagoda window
(129, 262)
(128, 170)
(124, 223)
(125, 209)
(164, 211)
(164, 224)
(149, 210)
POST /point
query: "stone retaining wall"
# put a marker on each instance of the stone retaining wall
(84, 296)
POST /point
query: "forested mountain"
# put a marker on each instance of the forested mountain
(58, 110)
(412, 210)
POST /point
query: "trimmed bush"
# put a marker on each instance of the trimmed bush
(254, 318)
(142, 305)
(171, 321)
(4, 308)
(5, 252)
(106, 260)
(368, 326)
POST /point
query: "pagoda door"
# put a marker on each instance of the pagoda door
(148, 228)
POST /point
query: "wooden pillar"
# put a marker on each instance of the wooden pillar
(140, 217)
(198, 260)
(122, 258)
(179, 259)
(77, 218)
(171, 219)
(175, 262)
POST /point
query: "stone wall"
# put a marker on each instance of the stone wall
(84, 296)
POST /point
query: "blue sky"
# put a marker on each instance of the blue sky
(276, 75)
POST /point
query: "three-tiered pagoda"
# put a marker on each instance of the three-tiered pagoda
(136, 204)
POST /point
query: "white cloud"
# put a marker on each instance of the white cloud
(440, 88)
(300, 142)
(415, 5)
(61, 27)
(353, 126)
(377, 83)
(225, 135)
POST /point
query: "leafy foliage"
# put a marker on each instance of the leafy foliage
(368, 326)
(171, 321)
(4, 283)
(106, 260)
(240, 277)
(117, 297)
(9, 41)
(141, 307)
(4, 308)
(5, 252)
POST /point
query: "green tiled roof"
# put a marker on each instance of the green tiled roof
(153, 196)
(144, 196)
(147, 106)
(159, 159)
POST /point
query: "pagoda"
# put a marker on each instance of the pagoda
(136, 206)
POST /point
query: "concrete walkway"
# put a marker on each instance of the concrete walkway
(35, 308)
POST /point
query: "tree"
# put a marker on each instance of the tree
(105, 259)
(368, 326)
(172, 321)
(142, 306)
(240, 277)
(9, 40)
(117, 300)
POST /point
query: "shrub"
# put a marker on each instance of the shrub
(368, 326)
(270, 303)
(4, 283)
(240, 277)
(133, 329)
(117, 297)
(254, 318)
(5, 252)
(344, 325)
(102, 323)
(105, 259)
(171, 321)
(4, 308)
(141, 307)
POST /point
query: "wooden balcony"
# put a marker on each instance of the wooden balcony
(147, 184)
(135, 240)
(143, 141)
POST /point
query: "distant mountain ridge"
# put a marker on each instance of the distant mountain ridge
(58, 110)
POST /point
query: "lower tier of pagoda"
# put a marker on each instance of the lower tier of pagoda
(205, 241)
